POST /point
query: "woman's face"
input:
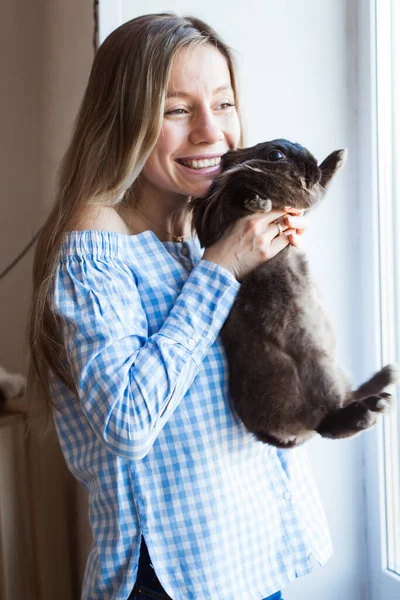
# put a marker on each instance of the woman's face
(200, 124)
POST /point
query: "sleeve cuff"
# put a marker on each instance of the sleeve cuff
(202, 308)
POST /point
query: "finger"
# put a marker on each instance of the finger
(284, 225)
(299, 224)
(266, 220)
(280, 242)
(295, 240)
(272, 216)
(294, 211)
(296, 222)
(273, 231)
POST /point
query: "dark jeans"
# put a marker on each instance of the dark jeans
(148, 587)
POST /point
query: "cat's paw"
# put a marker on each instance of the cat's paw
(348, 421)
(380, 403)
(366, 421)
(258, 204)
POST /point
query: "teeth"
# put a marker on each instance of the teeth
(202, 164)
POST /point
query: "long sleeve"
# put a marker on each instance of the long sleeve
(130, 383)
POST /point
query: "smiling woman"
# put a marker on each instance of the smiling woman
(124, 335)
(200, 125)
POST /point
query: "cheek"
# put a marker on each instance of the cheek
(154, 171)
(166, 145)
(160, 157)
(169, 140)
(233, 130)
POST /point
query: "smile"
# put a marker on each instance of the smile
(200, 164)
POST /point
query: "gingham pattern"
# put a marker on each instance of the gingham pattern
(153, 439)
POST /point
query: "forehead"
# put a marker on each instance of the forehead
(198, 69)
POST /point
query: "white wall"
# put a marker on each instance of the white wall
(299, 71)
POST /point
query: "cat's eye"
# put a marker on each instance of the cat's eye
(275, 155)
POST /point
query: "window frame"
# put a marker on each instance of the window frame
(383, 584)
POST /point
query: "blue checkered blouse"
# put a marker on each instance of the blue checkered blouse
(153, 439)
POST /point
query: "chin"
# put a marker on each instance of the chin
(199, 194)
(200, 191)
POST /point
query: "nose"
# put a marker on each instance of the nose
(205, 129)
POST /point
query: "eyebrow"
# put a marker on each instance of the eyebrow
(226, 86)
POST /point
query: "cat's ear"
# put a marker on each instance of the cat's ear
(332, 165)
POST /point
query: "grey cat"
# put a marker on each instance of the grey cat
(285, 381)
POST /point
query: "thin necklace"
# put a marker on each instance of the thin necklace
(176, 238)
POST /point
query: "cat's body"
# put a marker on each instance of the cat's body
(285, 381)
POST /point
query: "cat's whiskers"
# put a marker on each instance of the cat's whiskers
(303, 183)
(319, 190)
(254, 169)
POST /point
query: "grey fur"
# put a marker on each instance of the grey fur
(285, 381)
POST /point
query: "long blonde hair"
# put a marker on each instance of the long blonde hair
(116, 128)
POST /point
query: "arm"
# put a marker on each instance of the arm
(129, 384)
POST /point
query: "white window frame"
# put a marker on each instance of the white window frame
(374, 224)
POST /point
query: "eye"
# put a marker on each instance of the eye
(225, 105)
(176, 111)
(275, 155)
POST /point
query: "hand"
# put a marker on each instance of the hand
(255, 239)
(295, 220)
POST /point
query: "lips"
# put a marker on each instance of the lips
(200, 171)
(200, 163)
(202, 156)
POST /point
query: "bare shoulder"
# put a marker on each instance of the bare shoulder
(102, 218)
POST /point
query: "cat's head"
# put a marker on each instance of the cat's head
(279, 172)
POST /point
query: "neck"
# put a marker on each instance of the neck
(170, 228)
(168, 220)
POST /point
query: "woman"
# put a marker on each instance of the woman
(124, 335)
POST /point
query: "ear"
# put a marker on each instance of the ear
(332, 165)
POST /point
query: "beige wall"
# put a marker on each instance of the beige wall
(21, 82)
(45, 59)
(68, 56)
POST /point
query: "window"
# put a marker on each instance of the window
(379, 133)
(388, 146)
(380, 181)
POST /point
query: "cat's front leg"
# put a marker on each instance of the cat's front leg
(257, 204)
(355, 417)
